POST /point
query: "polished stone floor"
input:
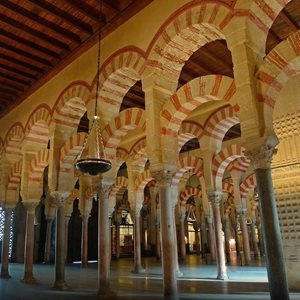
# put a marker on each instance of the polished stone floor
(197, 282)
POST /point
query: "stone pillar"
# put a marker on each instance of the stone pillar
(163, 179)
(227, 238)
(84, 240)
(118, 221)
(103, 241)
(261, 159)
(197, 238)
(60, 247)
(212, 240)
(215, 199)
(152, 240)
(48, 241)
(5, 243)
(254, 239)
(29, 243)
(260, 234)
(182, 215)
(174, 195)
(203, 235)
(67, 220)
(158, 236)
(246, 245)
(137, 267)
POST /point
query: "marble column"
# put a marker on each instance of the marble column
(254, 239)
(5, 242)
(158, 236)
(163, 179)
(103, 241)
(197, 238)
(118, 221)
(227, 238)
(84, 240)
(29, 243)
(203, 235)
(60, 247)
(261, 159)
(212, 240)
(137, 266)
(67, 220)
(182, 236)
(48, 241)
(215, 199)
(246, 244)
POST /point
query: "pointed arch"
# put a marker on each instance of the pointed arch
(190, 96)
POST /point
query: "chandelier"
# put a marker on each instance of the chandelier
(95, 162)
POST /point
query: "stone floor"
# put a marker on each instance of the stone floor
(197, 282)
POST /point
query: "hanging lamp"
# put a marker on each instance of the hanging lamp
(96, 163)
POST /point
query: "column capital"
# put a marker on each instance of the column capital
(261, 157)
(215, 198)
(30, 206)
(163, 177)
(59, 198)
(104, 190)
(242, 212)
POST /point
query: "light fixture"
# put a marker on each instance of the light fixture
(96, 163)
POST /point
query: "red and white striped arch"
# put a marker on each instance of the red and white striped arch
(193, 26)
(70, 151)
(123, 204)
(246, 185)
(190, 96)
(187, 193)
(279, 66)
(227, 187)
(188, 131)
(118, 74)
(188, 163)
(37, 165)
(128, 119)
(13, 142)
(14, 176)
(121, 154)
(138, 152)
(142, 180)
(37, 126)
(120, 184)
(73, 195)
(261, 15)
(240, 164)
(71, 105)
(220, 121)
(222, 160)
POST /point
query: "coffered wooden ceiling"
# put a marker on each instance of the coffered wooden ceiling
(40, 37)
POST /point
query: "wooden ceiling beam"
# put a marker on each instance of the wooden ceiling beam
(25, 54)
(87, 10)
(190, 66)
(135, 97)
(28, 43)
(131, 102)
(288, 20)
(21, 63)
(9, 90)
(5, 97)
(14, 79)
(274, 36)
(35, 33)
(11, 86)
(41, 21)
(17, 71)
(110, 5)
(61, 14)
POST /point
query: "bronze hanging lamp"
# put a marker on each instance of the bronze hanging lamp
(97, 163)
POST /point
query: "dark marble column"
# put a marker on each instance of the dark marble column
(261, 159)
(84, 240)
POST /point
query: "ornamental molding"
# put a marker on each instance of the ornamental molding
(261, 157)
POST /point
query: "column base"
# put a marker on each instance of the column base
(84, 265)
(222, 276)
(171, 297)
(178, 273)
(60, 285)
(5, 276)
(29, 280)
(138, 270)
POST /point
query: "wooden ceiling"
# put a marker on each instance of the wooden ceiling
(40, 37)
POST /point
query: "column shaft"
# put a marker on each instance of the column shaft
(103, 244)
(137, 268)
(212, 241)
(60, 247)
(227, 238)
(67, 219)
(29, 247)
(5, 244)
(222, 273)
(254, 239)
(169, 258)
(182, 241)
(48, 241)
(246, 244)
(158, 241)
(84, 241)
(272, 237)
